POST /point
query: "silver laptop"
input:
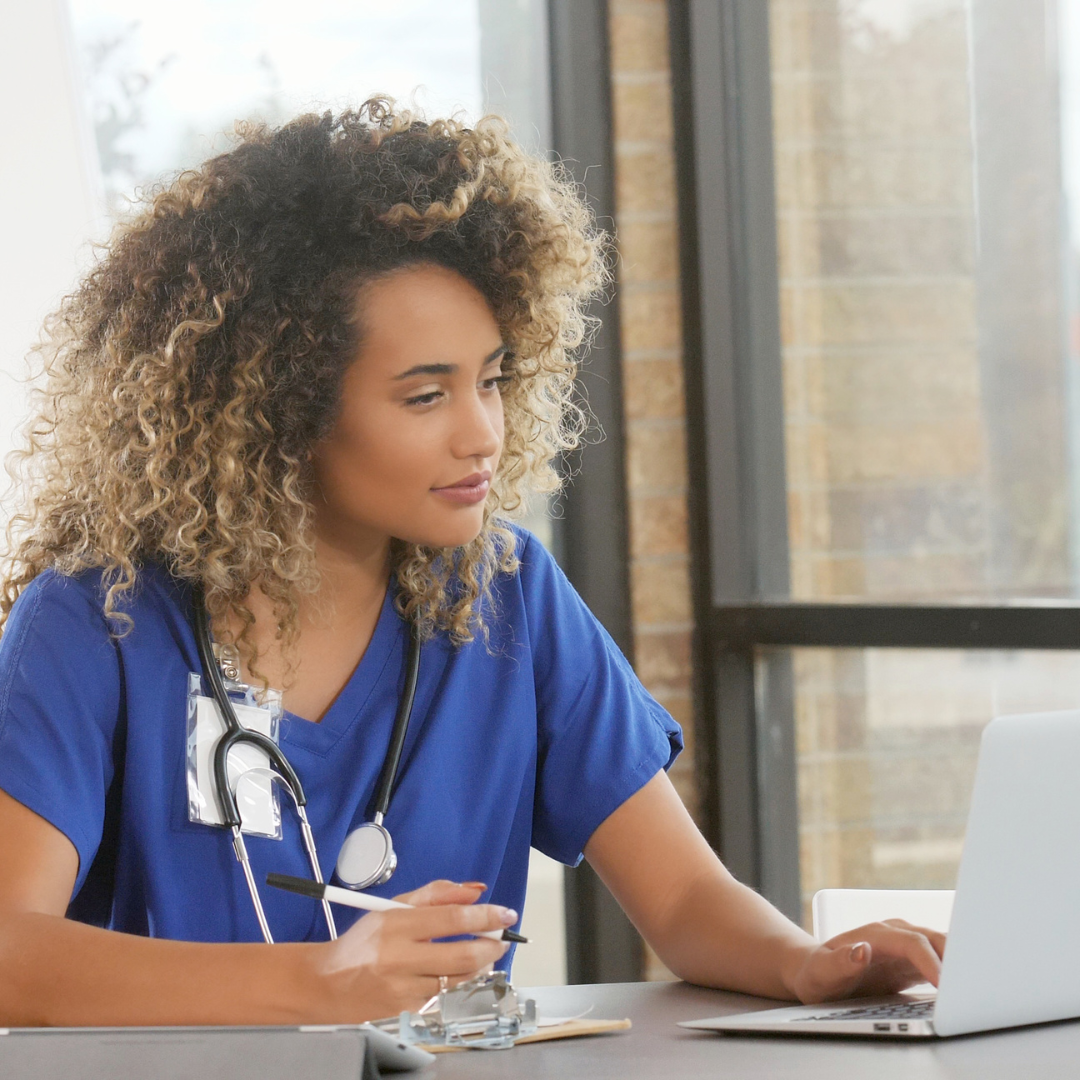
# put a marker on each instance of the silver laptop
(1013, 950)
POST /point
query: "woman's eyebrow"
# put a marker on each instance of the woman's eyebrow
(446, 369)
(427, 369)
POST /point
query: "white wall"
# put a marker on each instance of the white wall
(48, 204)
(543, 961)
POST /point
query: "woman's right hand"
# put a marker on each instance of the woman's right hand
(58, 972)
(389, 961)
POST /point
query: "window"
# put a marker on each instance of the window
(161, 90)
(884, 293)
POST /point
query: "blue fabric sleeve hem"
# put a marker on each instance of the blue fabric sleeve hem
(604, 806)
(45, 808)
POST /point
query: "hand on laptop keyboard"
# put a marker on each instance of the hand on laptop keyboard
(881, 958)
(898, 1010)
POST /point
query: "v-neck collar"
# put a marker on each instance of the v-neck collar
(321, 737)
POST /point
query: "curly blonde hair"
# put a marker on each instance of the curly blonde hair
(188, 378)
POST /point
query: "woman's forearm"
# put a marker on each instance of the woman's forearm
(54, 971)
(702, 923)
(721, 933)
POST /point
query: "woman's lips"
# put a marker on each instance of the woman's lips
(468, 492)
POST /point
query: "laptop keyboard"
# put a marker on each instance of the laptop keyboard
(901, 1010)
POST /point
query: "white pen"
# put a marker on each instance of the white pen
(365, 901)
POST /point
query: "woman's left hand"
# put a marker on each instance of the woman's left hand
(881, 958)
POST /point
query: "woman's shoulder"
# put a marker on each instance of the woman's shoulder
(57, 595)
(537, 577)
(81, 596)
(543, 598)
(535, 561)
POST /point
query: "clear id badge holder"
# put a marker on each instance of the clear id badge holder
(250, 774)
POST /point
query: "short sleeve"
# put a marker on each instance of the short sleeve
(60, 703)
(601, 735)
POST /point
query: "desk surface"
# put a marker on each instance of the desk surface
(658, 1050)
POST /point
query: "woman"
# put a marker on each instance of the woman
(308, 382)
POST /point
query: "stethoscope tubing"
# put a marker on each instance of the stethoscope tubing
(388, 775)
(235, 735)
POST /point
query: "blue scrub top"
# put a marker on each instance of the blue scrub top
(531, 739)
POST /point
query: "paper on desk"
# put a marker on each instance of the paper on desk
(555, 1021)
(574, 1028)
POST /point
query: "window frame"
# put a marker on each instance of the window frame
(601, 943)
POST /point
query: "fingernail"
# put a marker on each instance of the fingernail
(858, 952)
(508, 916)
(473, 885)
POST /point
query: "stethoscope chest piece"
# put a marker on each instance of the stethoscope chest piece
(367, 857)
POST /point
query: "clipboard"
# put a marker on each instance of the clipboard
(569, 1029)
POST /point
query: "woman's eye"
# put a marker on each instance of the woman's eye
(424, 399)
(497, 382)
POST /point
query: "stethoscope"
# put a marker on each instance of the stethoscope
(367, 857)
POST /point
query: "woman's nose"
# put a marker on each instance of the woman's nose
(479, 429)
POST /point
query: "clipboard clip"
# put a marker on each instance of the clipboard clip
(484, 1013)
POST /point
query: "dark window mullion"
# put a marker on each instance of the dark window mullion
(911, 626)
(738, 500)
(601, 943)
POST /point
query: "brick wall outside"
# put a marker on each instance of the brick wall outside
(651, 337)
(885, 446)
(897, 489)
(884, 423)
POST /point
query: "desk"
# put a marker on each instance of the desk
(658, 1050)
